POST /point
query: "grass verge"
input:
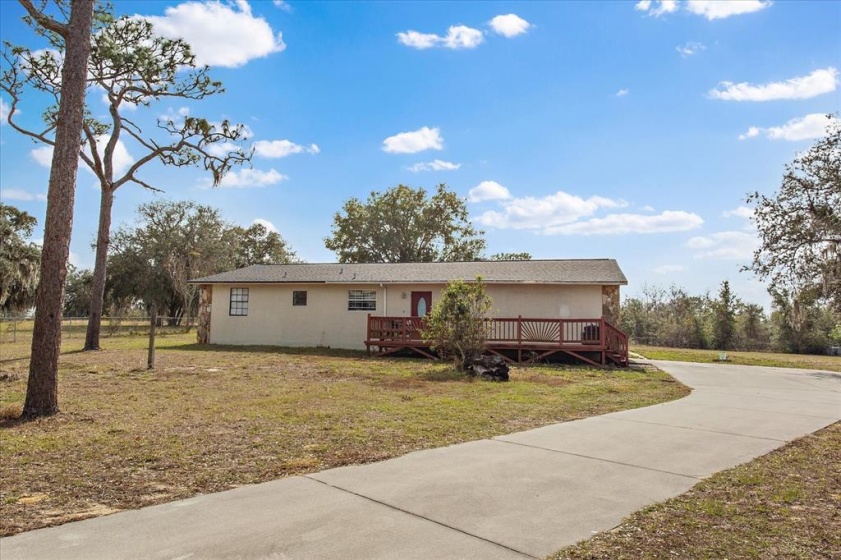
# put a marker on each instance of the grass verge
(786, 504)
(210, 418)
(773, 359)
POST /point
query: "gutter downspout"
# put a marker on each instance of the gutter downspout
(385, 299)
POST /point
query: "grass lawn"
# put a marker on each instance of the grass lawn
(805, 361)
(211, 418)
(786, 504)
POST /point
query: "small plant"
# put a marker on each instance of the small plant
(457, 326)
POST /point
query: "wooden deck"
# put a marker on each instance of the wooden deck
(517, 339)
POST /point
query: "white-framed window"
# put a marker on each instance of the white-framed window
(362, 300)
(239, 301)
(299, 297)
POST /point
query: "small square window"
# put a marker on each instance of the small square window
(239, 301)
(299, 297)
(362, 300)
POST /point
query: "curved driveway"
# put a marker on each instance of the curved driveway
(522, 495)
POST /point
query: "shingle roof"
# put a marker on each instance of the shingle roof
(571, 271)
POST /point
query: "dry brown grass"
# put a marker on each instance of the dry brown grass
(212, 418)
(773, 359)
(786, 504)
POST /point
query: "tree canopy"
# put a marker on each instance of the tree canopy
(174, 242)
(19, 260)
(403, 224)
(799, 226)
(134, 67)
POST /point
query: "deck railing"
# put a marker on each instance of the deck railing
(512, 331)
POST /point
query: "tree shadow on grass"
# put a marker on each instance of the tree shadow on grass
(250, 349)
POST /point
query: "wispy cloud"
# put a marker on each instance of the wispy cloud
(434, 165)
(724, 245)
(802, 87)
(668, 269)
(282, 148)
(622, 92)
(739, 212)
(809, 127)
(21, 195)
(4, 111)
(689, 49)
(620, 224)
(249, 178)
(457, 37)
(656, 8)
(424, 138)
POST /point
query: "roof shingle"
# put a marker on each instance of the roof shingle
(568, 271)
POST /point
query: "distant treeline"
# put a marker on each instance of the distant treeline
(671, 317)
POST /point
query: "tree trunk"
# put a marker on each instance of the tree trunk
(153, 323)
(42, 386)
(103, 239)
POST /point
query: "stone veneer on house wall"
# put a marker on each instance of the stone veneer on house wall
(610, 304)
(205, 308)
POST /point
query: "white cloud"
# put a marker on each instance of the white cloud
(668, 269)
(122, 159)
(809, 127)
(434, 165)
(463, 37)
(719, 9)
(622, 92)
(282, 148)
(424, 138)
(488, 190)
(547, 212)
(621, 224)
(802, 87)
(458, 37)
(221, 34)
(740, 212)
(752, 132)
(724, 245)
(282, 5)
(418, 40)
(222, 149)
(43, 156)
(690, 48)
(656, 8)
(246, 178)
(22, 195)
(647, 208)
(509, 25)
(266, 224)
(4, 111)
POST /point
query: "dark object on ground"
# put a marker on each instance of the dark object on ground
(489, 366)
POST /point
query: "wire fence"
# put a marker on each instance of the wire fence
(17, 329)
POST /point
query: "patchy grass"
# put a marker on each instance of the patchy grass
(804, 361)
(786, 504)
(210, 418)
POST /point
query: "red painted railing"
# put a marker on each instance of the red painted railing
(512, 331)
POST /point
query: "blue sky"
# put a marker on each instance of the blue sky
(574, 129)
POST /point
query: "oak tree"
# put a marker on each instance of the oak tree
(799, 226)
(19, 260)
(402, 225)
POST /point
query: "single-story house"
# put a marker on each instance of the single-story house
(538, 304)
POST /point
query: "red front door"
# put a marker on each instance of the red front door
(421, 303)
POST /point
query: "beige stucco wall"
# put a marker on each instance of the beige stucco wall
(326, 321)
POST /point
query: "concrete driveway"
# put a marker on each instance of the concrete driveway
(522, 495)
